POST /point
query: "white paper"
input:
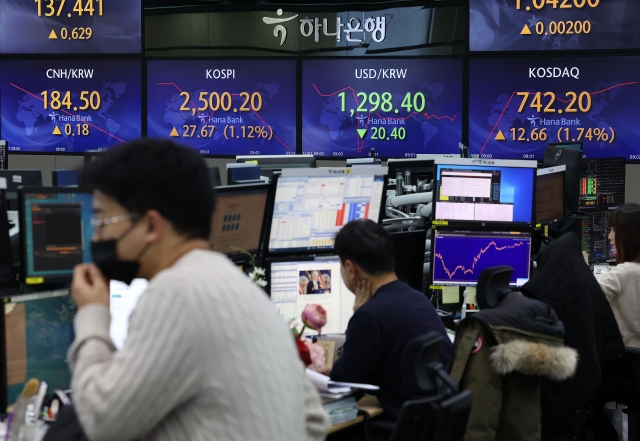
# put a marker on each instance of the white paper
(324, 384)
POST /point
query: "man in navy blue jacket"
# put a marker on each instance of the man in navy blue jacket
(388, 313)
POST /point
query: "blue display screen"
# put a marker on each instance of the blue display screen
(57, 233)
(69, 106)
(70, 26)
(400, 107)
(460, 257)
(548, 25)
(484, 193)
(40, 332)
(224, 107)
(517, 106)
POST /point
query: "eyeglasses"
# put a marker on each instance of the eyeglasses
(99, 223)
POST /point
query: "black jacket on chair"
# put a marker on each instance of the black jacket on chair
(564, 281)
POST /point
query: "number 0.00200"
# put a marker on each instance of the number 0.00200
(564, 27)
(381, 133)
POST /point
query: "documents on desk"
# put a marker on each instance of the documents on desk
(326, 386)
(599, 270)
(340, 410)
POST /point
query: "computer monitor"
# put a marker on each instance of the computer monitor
(19, 178)
(595, 237)
(550, 193)
(409, 247)
(241, 173)
(56, 232)
(270, 163)
(214, 176)
(312, 205)
(295, 283)
(602, 182)
(554, 156)
(358, 162)
(64, 178)
(458, 257)
(123, 299)
(6, 256)
(567, 145)
(92, 155)
(4, 160)
(38, 331)
(238, 219)
(433, 157)
(492, 192)
(420, 170)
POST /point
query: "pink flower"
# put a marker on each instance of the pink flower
(314, 316)
(317, 354)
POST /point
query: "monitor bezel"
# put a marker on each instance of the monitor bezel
(325, 251)
(41, 280)
(544, 172)
(504, 163)
(514, 232)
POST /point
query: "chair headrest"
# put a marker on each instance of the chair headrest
(493, 285)
(419, 354)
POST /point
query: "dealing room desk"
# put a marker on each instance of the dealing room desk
(367, 404)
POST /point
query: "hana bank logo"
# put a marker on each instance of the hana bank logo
(355, 29)
(279, 30)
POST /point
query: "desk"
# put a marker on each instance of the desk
(369, 405)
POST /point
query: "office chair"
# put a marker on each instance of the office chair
(428, 419)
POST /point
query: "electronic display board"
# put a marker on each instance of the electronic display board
(55, 106)
(224, 107)
(517, 106)
(547, 25)
(70, 26)
(400, 107)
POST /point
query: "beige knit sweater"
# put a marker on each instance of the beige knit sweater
(622, 287)
(206, 358)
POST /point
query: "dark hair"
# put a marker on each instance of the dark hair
(155, 174)
(368, 245)
(626, 221)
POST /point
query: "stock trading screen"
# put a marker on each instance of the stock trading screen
(57, 234)
(602, 182)
(595, 237)
(55, 106)
(224, 107)
(517, 106)
(400, 107)
(547, 25)
(459, 257)
(70, 26)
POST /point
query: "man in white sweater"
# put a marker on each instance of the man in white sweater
(207, 357)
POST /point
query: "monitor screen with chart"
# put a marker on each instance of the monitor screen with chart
(458, 257)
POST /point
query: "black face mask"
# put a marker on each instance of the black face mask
(105, 257)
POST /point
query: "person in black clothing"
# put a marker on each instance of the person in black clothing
(315, 286)
(388, 314)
